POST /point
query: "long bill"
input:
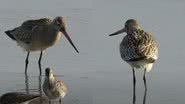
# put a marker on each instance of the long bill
(70, 41)
(118, 32)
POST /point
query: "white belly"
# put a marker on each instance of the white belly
(39, 45)
(141, 65)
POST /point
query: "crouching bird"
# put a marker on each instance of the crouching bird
(53, 88)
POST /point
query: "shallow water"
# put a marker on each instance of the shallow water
(98, 75)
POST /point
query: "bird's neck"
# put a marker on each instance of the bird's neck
(51, 79)
(135, 32)
(54, 35)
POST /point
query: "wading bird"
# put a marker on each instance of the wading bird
(17, 98)
(38, 35)
(53, 88)
(138, 48)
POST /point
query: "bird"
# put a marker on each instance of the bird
(38, 35)
(17, 98)
(53, 88)
(138, 48)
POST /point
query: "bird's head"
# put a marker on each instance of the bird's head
(49, 75)
(60, 25)
(48, 72)
(131, 25)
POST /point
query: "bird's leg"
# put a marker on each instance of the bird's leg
(49, 101)
(145, 93)
(134, 86)
(39, 62)
(26, 62)
(144, 97)
(134, 76)
(40, 85)
(27, 84)
(60, 101)
(144, 78)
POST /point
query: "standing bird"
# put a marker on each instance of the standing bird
(138, 48)
(38, 35)
(53, 88)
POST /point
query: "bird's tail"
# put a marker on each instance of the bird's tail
(8, 32)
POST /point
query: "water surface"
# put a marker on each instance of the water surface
(98, 75)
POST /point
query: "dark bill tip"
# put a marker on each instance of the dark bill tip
(70, 41)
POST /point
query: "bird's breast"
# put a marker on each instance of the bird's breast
(43, 41)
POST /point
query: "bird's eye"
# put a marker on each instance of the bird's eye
(57, 22)
(126, 25)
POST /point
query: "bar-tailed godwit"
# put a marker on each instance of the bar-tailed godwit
(138, 48)
(53, 88)
(38, 35)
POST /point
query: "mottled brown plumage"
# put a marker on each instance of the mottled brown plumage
(138, 48)
(139, 45)
(53, 88)
(17, 98)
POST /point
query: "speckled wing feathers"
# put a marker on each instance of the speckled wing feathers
(16, 98)
(31, 23)
(61, 83)
(55, 89)
(24, 32)
(58, 88)
(22, 35)
(138, 46)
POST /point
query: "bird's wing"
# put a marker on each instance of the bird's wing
(147, 46)
(61, 85)
(140, 45)
(24, 32)
(38, 22)
(16, 97)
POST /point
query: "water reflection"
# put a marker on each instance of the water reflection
(145, 93)
(40, 87)
(40, 84)
(26, 84)
(134, 86)
(27, 97)
(27, 88)
(134, 93)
